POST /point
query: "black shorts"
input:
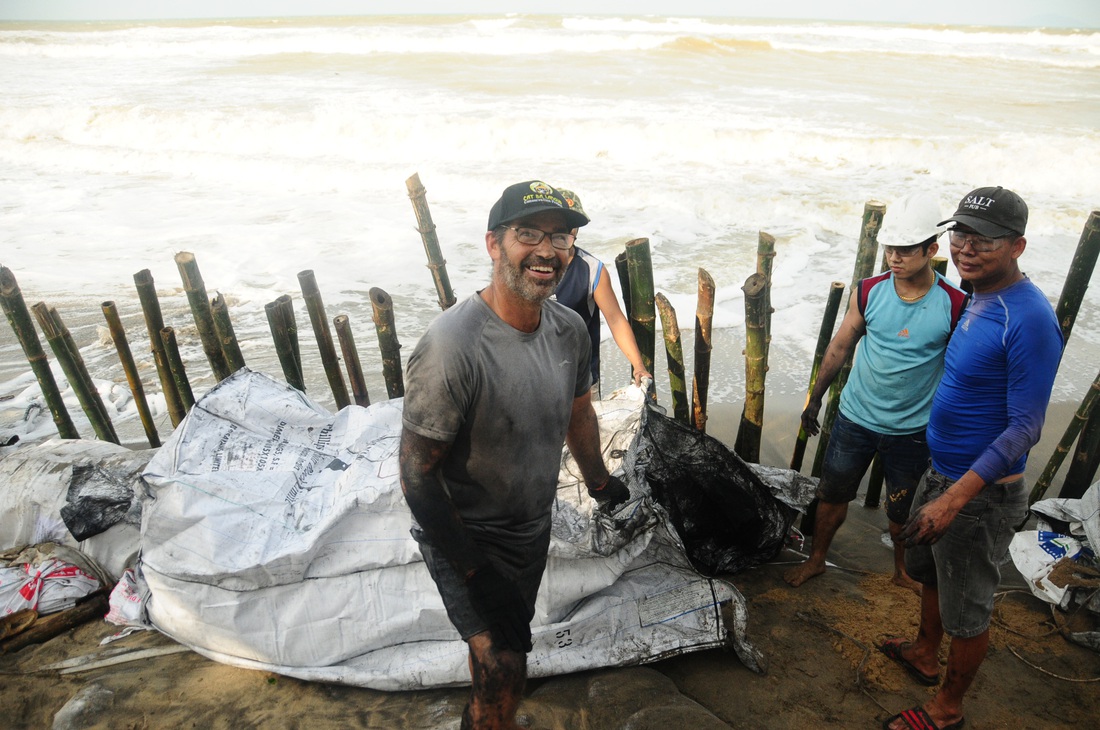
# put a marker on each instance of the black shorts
(456, 597)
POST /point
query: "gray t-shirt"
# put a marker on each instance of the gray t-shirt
(503, 398)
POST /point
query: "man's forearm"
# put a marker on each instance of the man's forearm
(583, 440)
(431, 505)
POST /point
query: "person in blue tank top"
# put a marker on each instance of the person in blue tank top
(901, 320)
(586, 289)
(986, 415)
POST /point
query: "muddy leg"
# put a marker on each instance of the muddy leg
(497, 679)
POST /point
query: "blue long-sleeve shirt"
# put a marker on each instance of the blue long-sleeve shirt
(998, 373)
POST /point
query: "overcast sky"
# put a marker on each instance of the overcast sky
(1030, 13)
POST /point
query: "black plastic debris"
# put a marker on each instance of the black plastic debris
(725, 514)
(103, 494)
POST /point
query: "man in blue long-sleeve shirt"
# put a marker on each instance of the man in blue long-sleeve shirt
(987, 413)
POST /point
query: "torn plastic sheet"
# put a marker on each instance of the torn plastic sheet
(275, 536)
(726, 515)
(60, 487)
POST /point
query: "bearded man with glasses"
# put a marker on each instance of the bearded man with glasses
(492, 390)
(986, 415)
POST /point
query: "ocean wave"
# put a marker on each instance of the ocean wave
(526, 35)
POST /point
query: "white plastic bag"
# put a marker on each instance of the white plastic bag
(47, 587)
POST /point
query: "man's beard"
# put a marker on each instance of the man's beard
(528, 289)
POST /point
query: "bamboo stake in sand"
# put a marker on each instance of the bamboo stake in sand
(643, 314)
(200, 309)
(284, 331)
(19, 317)
(68, 355)
(351, 360)
(227, 338)
(824, 335)
(747, 444)
(154, 323)
(674, 352)
(312, 296)
(424, 225)
(384, 325)
(118, 336)
(704, 315)
(175, 367)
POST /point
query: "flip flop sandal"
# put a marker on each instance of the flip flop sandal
(893, 647)
(918, 719)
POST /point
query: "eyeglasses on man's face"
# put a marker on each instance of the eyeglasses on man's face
(978, 244)
(903, 251)
(533, 237)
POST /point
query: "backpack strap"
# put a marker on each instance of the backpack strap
(865, 287)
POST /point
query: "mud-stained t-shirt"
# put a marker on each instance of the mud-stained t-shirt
(999, 371)
(503, 399)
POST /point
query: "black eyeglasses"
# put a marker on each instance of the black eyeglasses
(979, 244)
(533, 237)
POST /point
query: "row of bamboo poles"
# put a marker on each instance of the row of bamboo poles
(641, 302)
(219, 344)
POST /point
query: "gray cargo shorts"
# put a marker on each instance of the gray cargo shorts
(964, 564)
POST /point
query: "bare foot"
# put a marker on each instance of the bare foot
(799, 574)
(904, 581)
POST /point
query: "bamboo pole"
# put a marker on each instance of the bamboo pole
(864, 267)
(1086, 457)
(312, 296)
(824, 335)
(200, 309)
(424, 225)
(122, 346)
(1080, 273)
(82, 372)
(384, 325)
(765, 254)
(674, 353)
(154, 323)
(19, 317)
(1080, 418)
(643, 315)
(75, 371)
(747, 444)
(284, 331)
(176, 368)
(765, 259)
(623, 270)
(704, 315)
(939, 265)
(227, 338)
(351, 360)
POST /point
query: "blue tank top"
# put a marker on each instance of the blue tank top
(577, 291)
(899, 359)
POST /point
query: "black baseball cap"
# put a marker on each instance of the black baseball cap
(993, 212)
(534, 196)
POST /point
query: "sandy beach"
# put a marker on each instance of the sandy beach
(818, 640)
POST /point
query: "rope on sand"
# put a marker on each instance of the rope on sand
(1000, 622)
(866, 654)
(1051, 674)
